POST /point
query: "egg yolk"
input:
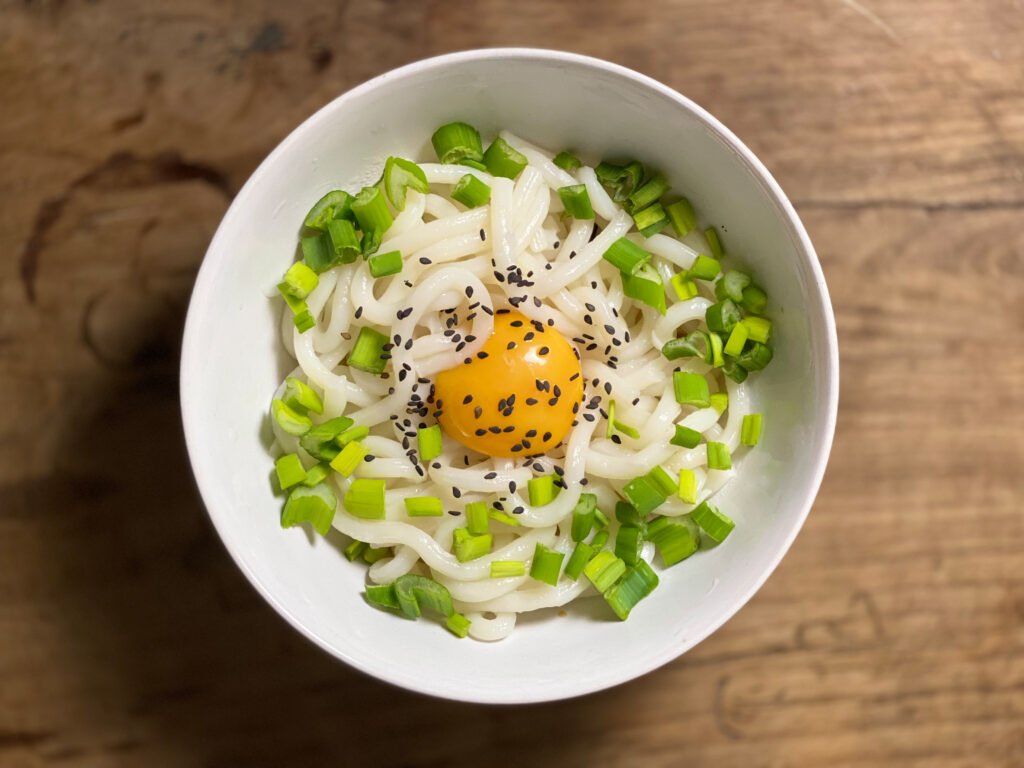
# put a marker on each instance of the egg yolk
(517, 396)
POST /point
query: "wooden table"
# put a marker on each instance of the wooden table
(893, 633)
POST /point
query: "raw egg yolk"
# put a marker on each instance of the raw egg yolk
(517, 396)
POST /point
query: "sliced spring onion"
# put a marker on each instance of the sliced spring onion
(599, 540)
(299, 395)
(365, 496)
(622, 180)
(567, 162)
(737, 339)
(503, 569)
(750, 432)
(317, 473)
(714, 244)
(628, 257)
(610, 429)
(476, 518)
(604, 569)
(502, 159)
(673, 538)
(457, 624)
(415, 592)
(345, 243)
(734, 371)
(685, 287)
(755, 357)
(349, 435)
(721, 317)
(471, 192)
(716, 350)
(315, 506)
(583, 516)
(648, 193)
(466, 546)
(720, 401)
(628, 543)
(401, 175)
(627, 514)
(712, 521)
(474, 164)
(731, 285)
(289, 470)
(686, 437)
(366, 354)
(319, 441)
(694, 344)
(423, 506)
(688, 486)
(578, 559)
(290, 420)
(333, 205)
(625, 429)
(355, 549)
(542, 490)
(381, 595)
(646, 286)
(759, 329)
(662, 480)
(501, 517)
(371, 211)
(429, 439)
(317, 252)
(718, 456)
(304, 320)
(644, 495)
(372, 554)
(384, 264)
(576, 200)
(704, 268)
(300, 279)
(370, 242)
(680, 213)
(637, 583)
(348, 459)
(456, 142)
(754, 299)
(691, 389)
(651, 220)
(600, 519)
(546, 564)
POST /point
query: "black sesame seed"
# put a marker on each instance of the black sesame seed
(526, 443)
(454, 512)
(574, 376)
(616, 439)
(531, 401)
(481, 355)
(507, 412)
(436, 465)
(424, 260)
(558, 470)
(495, 430)
(588, 320)
(456, 492)
(518, 510)
(553, 401)
(516, 448)
(583, 481)
(408, 344)
(469, 291)
(610, 328)
(558, 391)
(467, 400)
(608, 387)
(509, 428)
(528, 336)
(551, 321)
(468, 360)
(589, 416)
(511, 486)
(477, 412)
(481, 432)
(575, 407)
(590, 306)
(531, 433)
(402, 374)
(537, 302)
(511, 345)
(359, 312)
(490, 475)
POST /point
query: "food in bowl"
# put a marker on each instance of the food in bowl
(520, 379)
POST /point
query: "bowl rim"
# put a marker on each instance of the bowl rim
(191, 362)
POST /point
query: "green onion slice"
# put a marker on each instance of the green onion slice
(542, 490)
(686, 437)
(737, 339)
(628, 257)
(680, 213)
(400, 175)
(458, 625)
(467, 546)
(644, 495)
(758, 329)
(622, 180)
(503, 569)
(688, 486)
(662, 480)
(578, 559)
(583, 516)
(348, 459)
(333, 205)
(691, 389)
(414, 592)
(319, 441)
(604, 569)
(317, 473)
(718, 456)
(471, 192)
(476, 518)
(291, 421)
(546, 564)
(673, 538)
(750, 432)
(734, 371)
(315, 506)
(712, 522)
(367, 354)
(704, 268)
(754, 299)
(423, 506)
(694, 344)
(384, 264)
(721, 317)
(714, 244)
(371, 211)
(289, 470)
(719, 401)
(457, 142)
(429, 439)
(628, 543)
(576, 200)
(649, 192)
(501, 517)
(345, 243)
(755, 357)
(301, 280)
(502, 159)
(651, 220)
(638, 582)
(645, 286)
(355, 549)
(567, 162)
(381, 595)
(365, 496)
(298, 394)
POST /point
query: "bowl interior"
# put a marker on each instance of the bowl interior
(232, 361)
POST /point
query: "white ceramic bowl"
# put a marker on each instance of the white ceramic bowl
(232, 360)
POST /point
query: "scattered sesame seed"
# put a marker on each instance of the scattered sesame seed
(424, 260)
(531, 401)
(608, 387)
(543, 351)
(477, 412)
(481, 355)
(518, 511)
(467, 400)
(481, 432)
(509, 428)
(490, 475)
(511, 345)
(469, 291)
(359, 312)
(589, 416)
(456, 492)
(495, 430)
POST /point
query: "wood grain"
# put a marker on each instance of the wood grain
(892, 634)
